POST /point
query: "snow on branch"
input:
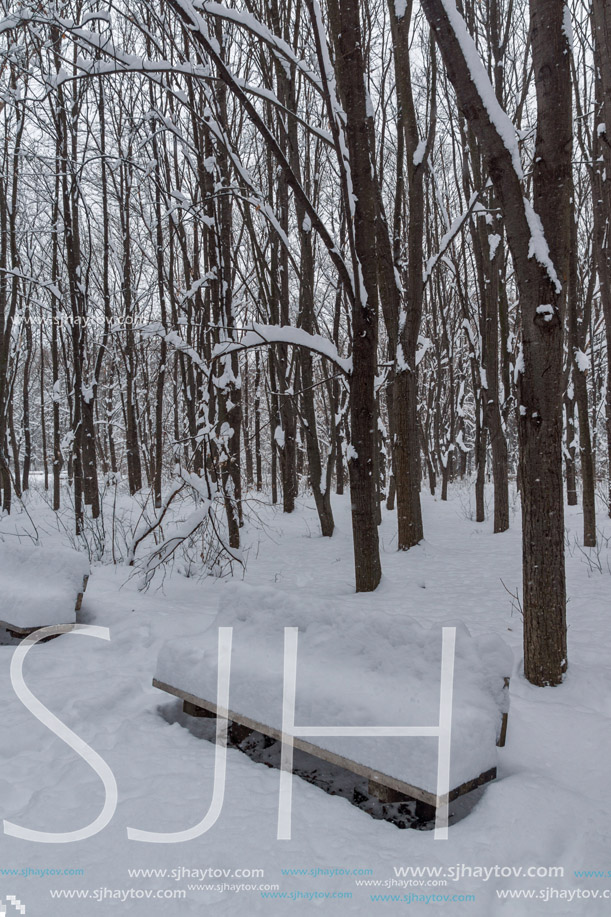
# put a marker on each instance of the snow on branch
(174, 339)
(505, 130)
(538, 247)
(255, 27)
(147, 527)
(449, 237)
(258, 334)
(14, 20)
(203, 513)
(498, 117)
(199, 31)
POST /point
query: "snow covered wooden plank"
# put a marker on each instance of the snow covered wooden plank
(379, 783)
(40, 586)
(367, 687)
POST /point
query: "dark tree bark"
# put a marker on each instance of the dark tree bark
(542, 283)
(577, 329)
(43, 414)
(163, 347)
(489, 325)
(246, 425)
(27, 434)
(257, 408)
(280, 314)
(319, 476)
(57, 452)
(405, 427)
(9, 296)
(569, 448)
(350, 75)
(601, 157)
(132, 438)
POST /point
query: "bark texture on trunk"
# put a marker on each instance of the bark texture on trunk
(350, 74)
(538, 237)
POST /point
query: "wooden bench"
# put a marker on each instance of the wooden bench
(383, 787)
(40, 586)
(18, 633)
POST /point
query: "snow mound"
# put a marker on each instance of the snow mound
(39, 585)
(355, 667)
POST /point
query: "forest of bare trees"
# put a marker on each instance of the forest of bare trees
(265, 248)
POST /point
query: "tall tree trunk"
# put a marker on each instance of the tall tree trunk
(405, 427)
(257, 408)
(246, 426)
(15, 449)
(58, 460)
(481, 450)
(569, 449)
(601, 192)
(576, 340)
(490, 394)
(319, 478)
(541, 282)
(43, 414)
(350, 75)
(163, 347)
(132, 439)
(27, 434)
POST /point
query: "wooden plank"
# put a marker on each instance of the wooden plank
(385, 781)
(20, 634)
(385, 794)
(193, 710)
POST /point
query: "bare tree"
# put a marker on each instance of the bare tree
(538, 234)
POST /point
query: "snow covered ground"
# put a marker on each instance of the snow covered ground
(550, 806)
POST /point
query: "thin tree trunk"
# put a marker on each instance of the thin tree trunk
(27, 435)
(601, 191)
(257, 407)
(577, 335)
(569, 452)
(43, 417)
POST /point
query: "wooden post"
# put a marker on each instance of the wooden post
(503, 733)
